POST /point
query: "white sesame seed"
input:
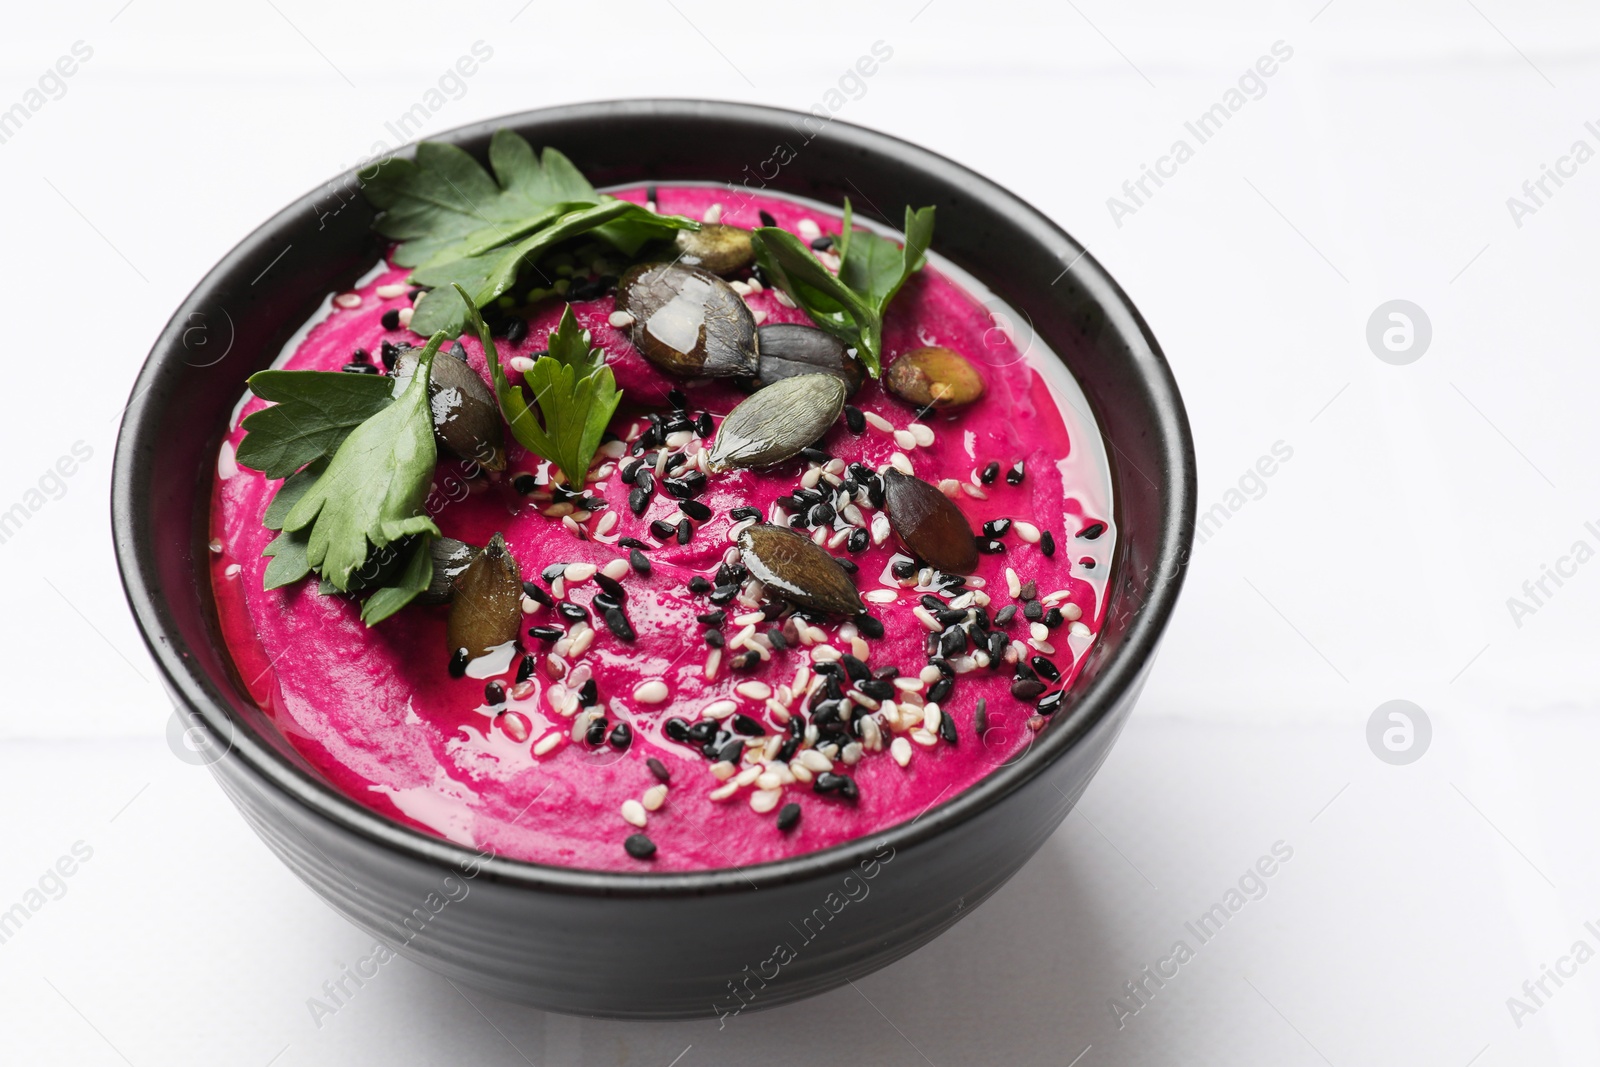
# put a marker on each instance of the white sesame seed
(900, 749)
(810, 478)
(904, 440)
(579, 572)
(949, 487)
(1039, 631)
(923, 435)
(572, 526)
(748, 775)
(713, 214)
(783, 298)
(1050, 600)
(580, 725)
(1071, 612)
(739, 287)
(880, 528)
(405, 316)
(634, 812)
(348, 300)
(1013, 583)
(718, 709)
(654, 797)
(557, 510)
(878, 422)
(749, 617)
(738, 528)
(769, 780)
(713, 661)
(520, 364)
(812, 760)
(880, 596)
(652, 692)
(824, 653)
(615, 569)
(390, 291)
(546, 743)
(1027, 531)
(759, 315)
(808, 229)
(963, 602)
(922, 737)
(753, 690)
(530, 605)
(931, 716)
(764, 800)
(724, 791)
(1043, 646)
(620, 319)
(973, 491)
(1078, 629)
(859, 648)
(901, 462)
(722, 770)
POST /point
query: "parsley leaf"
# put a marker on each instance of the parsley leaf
(871, 271)
(374, 487)
(312, 413)
(576, 393)
(389, 599)
(458, 225)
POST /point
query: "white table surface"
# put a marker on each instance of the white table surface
(1375, 564)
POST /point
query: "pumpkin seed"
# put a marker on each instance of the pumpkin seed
(794, 568)
(770, 426)
(790, 349)
(486, 610)
(934, 377)
(688, 321)
(929, 525)
(466, 419)
(717, 248)
(450, 558)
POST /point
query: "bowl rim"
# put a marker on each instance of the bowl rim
(1117, 678)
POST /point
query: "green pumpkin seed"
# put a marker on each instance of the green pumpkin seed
(789, 349)
(450, 559)
(688, 321)
(717, 248)
(929, 524)
(794, 568)
(934, 377)
(777, 422)
(466, 419)
(486, 610)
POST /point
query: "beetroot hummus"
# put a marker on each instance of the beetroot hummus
(715, 730)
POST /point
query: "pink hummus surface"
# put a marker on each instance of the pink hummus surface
(378, 714)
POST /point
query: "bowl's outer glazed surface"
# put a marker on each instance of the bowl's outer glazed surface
(700, 943)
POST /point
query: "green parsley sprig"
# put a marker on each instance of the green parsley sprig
(458, 225)
(575, 391)
(357, 462)
(871, 271)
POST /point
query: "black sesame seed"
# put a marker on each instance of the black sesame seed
(618, 624)
(823, 243)
(696, 510)
(787, 750)
(596, 734)
(996, 527)
(715, 638)
(991, 471)
(1092, 531)
(814, 454)
(610, 585)
(722, 594)
(458, 663)
(1054, 618)
(459, 351)
(536, 592)
(980, 717)
(517, 332)
(788, 817)
(1028, 689)
(702, 731)
(1004, 616)
(662, 530)
(1087, 563)
(869, 626)
(702, 424)
(525, 483)
(740, 514)
(621, 737)
(388, 353)
(941, 690)
(525, 668)
(639, 846)
(700, 585)
(1030, 590)
(1033, 611)
(877, 689)
(545, 633)
(676, 729)
(638, 501)
(658, 769)
(953, 641)
(992, 546)
(639, 562)
(494, 693)
(569, 610)
(589, 694)
(744, 661)
(997, 648)
(391, 319)
(629, 470)
(947, 728)
(1047, 543)
(359, 367)
(712, 618)
(1050, 703)
(552, 572)
(730, 751)
(767, 219)
(1045, 669)
(857, 541)
(1015, 475)
(744, 724)
(685, 531)
(854, 420)
(948, 617)
(676, 400)
(903, 569)
(775, 635)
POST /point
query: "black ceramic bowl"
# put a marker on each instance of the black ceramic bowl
(653, 945)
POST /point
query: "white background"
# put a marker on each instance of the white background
(1376, 564)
